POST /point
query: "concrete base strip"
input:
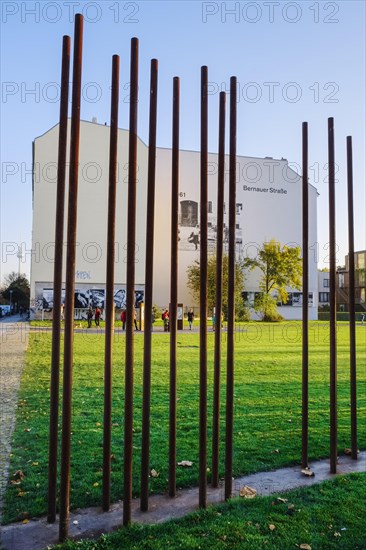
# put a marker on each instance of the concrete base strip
(92, 522)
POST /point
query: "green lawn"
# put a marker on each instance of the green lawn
(267, 409)
(327, 516)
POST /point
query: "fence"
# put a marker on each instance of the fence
(130, 283)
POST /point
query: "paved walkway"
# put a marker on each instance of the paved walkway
(13, 344)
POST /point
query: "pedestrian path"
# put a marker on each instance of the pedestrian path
(13, 344)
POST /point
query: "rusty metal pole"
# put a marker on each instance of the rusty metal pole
(352, 317)
(130, 287)
(109, 302)
(305, 296)
(70, 281)
(203, 293)
(231, 295)
(57, 282)
(333, 305)
(149, 275)
(174, 292)
(218, 295)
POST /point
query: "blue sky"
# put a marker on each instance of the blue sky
(294, 61)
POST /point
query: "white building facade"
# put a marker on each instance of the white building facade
(268, 206)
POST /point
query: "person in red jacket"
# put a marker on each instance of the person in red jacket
(123, 319)
(97, 315)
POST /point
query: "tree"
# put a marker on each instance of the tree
(281, 267)
(193, 273)
(17, 287)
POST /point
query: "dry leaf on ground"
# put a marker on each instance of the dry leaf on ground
(272, 527)
(305, 546)
(247, 492)
(19, 475)
(154, 473)
(307, 472)
(185, 463)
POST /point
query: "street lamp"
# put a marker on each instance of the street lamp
(11, 305)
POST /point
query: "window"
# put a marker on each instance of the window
(239, 207)
(326, 283)
(323, 297)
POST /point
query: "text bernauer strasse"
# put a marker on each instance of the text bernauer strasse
(265, 190)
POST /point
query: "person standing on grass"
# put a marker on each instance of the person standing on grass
(213, 321)
(90, 315)
(97, 316)
(123, 319)
(190, 318)
(135, 320)
(165, 317)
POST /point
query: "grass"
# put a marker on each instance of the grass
(327, 516)
(267, 409)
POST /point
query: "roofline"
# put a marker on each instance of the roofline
(182, 150)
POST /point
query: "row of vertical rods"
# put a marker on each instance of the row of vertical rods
(352, 318)
(130, 279)
(218, 294)
(231, 294)
(70, 281)
(174, 290)
(202, 489)
(149, 273)
(332, 301)
(109, 310)
(305, 294)
(57, 282)
(131, 229)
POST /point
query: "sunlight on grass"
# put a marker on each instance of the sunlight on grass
(267, 409)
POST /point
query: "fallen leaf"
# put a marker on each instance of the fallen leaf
(279, 499)
(25, 521)
(347, 451)
(272, 527)
(305, 546)
(276, 451)
(35, 463)
(75, 522)
(185, 463)
(154, 473)
(96, 484)
(27, 429)
(307, 472)
(19, 474)
(247, 492)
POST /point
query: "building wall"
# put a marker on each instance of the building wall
(268, 207)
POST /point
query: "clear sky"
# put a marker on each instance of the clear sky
(294, 61)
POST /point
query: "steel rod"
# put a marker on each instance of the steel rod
(149, 279)
(231, 295)
(218, 295)
(174, 291)
(109, 294)
(305, 296)
(352, 316)
(130, 287)
(332, 301)
(57, 282)
(70, 281)
(203, 292)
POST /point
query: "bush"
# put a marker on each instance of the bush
(266, 306)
